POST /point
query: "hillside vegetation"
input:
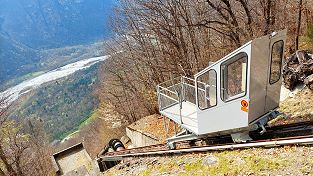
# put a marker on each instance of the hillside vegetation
(63, 104)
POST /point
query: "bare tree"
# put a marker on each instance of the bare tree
(159, 40)
(11, 143)
(21, 153)
(298, 25)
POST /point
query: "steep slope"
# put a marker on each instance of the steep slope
(55, 23)
(15, 58)
(62, 104)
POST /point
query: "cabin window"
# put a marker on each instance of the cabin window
(206, 89)
(276, 61)
(234, 77)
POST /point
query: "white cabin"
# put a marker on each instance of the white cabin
(232, 93)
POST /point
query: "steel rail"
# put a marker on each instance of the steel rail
(270, 134)
(302, 140)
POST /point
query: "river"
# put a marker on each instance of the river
(13, 93)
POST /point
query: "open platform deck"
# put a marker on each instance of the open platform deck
(188, 114)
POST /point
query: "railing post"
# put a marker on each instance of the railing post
(180, 106)
(205, 96)
(165, 127)
(183, 88)
(159, 98)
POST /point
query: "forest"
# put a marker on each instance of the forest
(63, 104)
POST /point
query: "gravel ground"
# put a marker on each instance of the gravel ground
(288, 160)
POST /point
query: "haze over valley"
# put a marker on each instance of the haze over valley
(50, 53)
(30, 30)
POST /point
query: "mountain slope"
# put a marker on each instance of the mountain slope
(27, 28)
(62, 104)
(55, 23)
(15, 58)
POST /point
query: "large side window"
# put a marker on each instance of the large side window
(234, 77)
(276, 61)
(206, 90)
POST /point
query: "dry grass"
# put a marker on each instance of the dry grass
(298, 108)
(256, 161)
(154, 126)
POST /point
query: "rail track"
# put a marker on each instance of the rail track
(301, 140)
(291, 134)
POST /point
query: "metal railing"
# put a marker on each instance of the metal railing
(176, 91)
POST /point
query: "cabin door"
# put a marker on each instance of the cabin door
(274, 80)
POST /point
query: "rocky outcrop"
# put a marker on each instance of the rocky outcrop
(298, 69)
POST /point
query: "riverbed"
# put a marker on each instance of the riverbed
(13, 93)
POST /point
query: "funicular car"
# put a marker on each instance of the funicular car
(234, 95)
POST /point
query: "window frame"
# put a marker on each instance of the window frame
(197, 87)
(280, 63)
(245, 55)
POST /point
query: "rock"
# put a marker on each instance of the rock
(116, 124)
(190, 160)
(155, 162)
(139, 169)
(308, 81)
(298, 69)
(239, 161)
(210, 160)
(270, 151)
(181, 163)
